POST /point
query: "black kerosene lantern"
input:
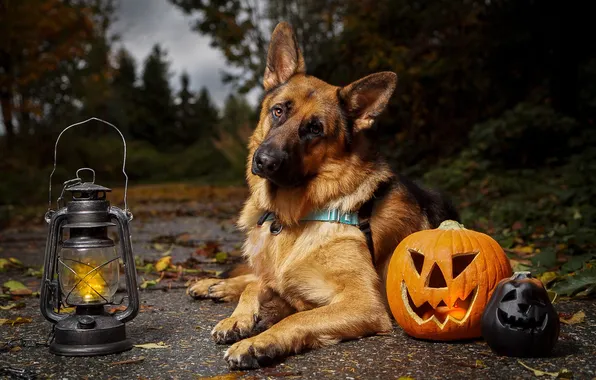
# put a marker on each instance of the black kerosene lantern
(83, 271)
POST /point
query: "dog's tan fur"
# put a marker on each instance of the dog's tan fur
(315, 283)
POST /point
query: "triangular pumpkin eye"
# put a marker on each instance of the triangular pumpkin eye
(461, 262)
(417, 259)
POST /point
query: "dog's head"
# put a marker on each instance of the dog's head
(305, 123)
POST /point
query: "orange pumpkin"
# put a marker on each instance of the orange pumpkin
(439, 281)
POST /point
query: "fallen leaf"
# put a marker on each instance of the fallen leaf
(4, 263)
(34, 273)
(150, 346)
(163, 263)
(548, 277)
(562, 374)
(114, 309)
(16, 288)
(148, 283)
(576, 282)
(528, 249)
(221, 257)
(10, 306)
(66, 310)
(520, 265)
(227, 376)
(129, 361)
(16, 321)
(161, 247)
(574, 319)
(517, 226)
(15, 261)
(480, 364)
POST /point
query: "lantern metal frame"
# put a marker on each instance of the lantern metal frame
(90, 330)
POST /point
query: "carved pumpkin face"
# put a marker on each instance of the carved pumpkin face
(520, 320)
(439, 281)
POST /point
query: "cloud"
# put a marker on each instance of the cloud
(143, 23)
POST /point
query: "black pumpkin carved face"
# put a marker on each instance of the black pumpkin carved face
(519, 319)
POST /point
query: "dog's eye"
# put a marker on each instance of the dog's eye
(315, 128)
(277, 112)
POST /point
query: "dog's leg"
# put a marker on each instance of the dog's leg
(242, 321)
(352, 317)
(220, 290)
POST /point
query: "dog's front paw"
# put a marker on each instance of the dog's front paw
(252, 353)
(201, 289)
(217, 290)
(233, 329)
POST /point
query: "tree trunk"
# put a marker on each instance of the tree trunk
(6, 101)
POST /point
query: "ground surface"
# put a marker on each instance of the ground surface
(184, 325)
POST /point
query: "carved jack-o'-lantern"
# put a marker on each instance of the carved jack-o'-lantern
(520, 320)
(439, 281)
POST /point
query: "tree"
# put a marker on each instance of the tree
(186, 121)
(40, 38)
(206, 113)
(156, 111)
(125, 92)
(235, 28)
(241, 29)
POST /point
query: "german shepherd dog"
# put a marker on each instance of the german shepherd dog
(315, 283)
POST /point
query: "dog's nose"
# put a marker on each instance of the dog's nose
(266, 163)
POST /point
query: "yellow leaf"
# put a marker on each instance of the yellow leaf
(66, 310)
(16, 262)
(11, 306)
(547, 277)
(150, 346)
(17, 321)
(4, 263)
(163, 263)
(562, 374)
(524, 249)
(221, 257)
(574, 319)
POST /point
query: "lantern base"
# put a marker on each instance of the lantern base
(89, 335)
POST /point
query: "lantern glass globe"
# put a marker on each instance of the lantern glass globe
(88, 276)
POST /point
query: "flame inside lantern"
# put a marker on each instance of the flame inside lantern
(88, 275)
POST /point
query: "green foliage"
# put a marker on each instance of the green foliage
(234, 130)
(527, 178)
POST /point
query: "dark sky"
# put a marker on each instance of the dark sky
(142, 23)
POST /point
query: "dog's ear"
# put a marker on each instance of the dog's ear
(366, 98)
(284, 58)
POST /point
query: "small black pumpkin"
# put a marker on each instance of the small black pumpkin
(519, 319)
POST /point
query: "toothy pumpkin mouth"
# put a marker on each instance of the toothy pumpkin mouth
(522, 323)
(458, 312)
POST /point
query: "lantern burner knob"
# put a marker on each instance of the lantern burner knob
(86, 323)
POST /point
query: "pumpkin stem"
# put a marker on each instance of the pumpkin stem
(451, 225)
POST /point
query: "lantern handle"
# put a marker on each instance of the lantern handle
(123, 161)
(89, 169)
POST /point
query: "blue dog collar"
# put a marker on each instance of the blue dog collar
(331, 215)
